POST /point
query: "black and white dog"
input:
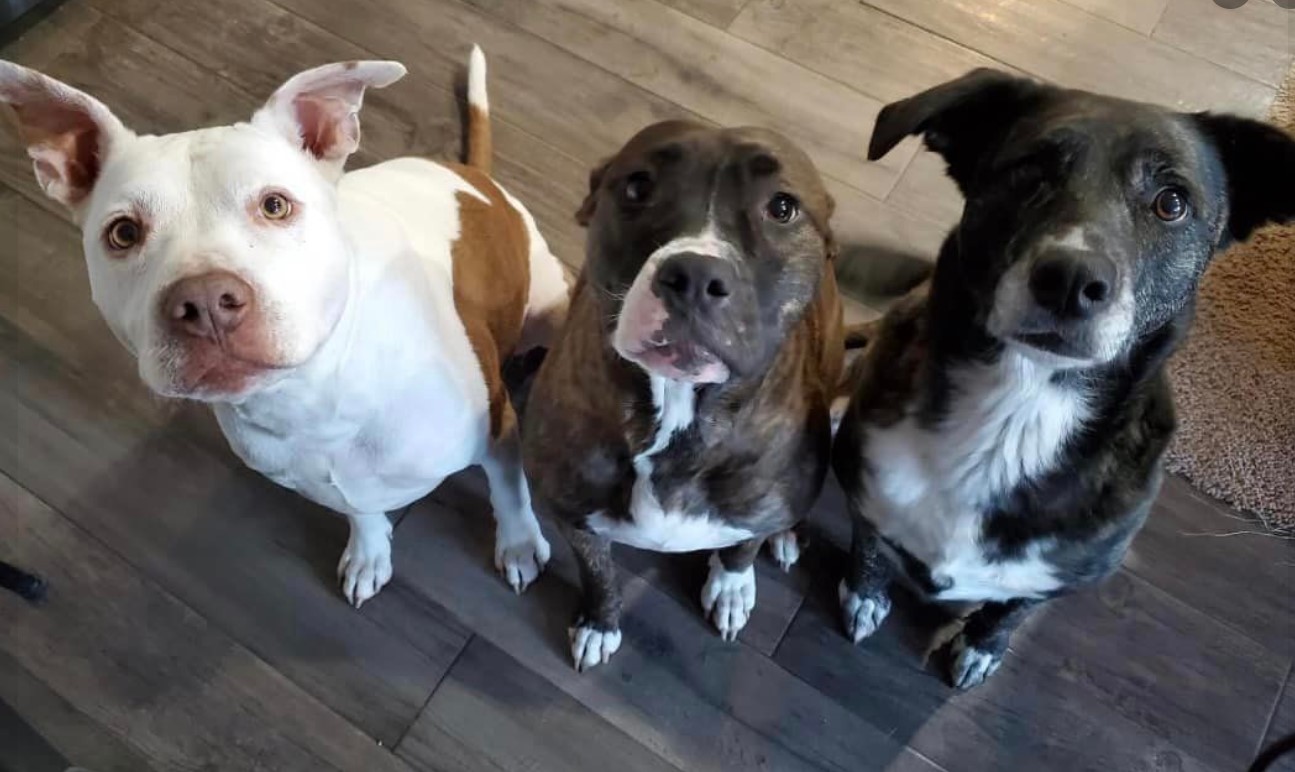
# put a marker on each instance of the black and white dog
(1003, 444)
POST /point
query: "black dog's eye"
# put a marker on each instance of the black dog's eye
(1170, 205)
(638, 187)
(783, 208)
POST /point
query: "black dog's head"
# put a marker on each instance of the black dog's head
(705, 246)
(1089, 220)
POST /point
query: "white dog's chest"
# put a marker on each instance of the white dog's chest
(927, 488)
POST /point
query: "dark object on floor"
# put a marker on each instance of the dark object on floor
(1284, 746)
(27, 585)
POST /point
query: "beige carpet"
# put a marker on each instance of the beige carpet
(1234, 379)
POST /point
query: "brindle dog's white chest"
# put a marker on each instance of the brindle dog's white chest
(928, 486)
(651, 526)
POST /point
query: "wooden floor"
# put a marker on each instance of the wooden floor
(194, 623)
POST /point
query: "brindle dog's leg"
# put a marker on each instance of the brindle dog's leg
(865, 590)
(978, 650)
(596, 635)
(729, 593)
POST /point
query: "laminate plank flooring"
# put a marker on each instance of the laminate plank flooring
(193, 621)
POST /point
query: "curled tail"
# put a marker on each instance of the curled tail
(479, 143)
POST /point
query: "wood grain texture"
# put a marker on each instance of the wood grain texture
(492, 713)
(1254, 40)
(717, 13)
(1138, 15)
(715, 75)
(178, 711)
(873, 52)
(1061, 43)
(1282, 727)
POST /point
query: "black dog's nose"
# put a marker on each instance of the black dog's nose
(694, 281)
(1073, 286)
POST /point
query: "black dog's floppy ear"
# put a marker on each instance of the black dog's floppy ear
(959, 119)
(1259, 161)
(586, 211)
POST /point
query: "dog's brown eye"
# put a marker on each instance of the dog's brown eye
(1170, 205)
(275, 206)
(123, 233)
(638, 187)
(782, 208)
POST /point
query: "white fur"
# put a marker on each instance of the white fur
(590, 647)
(1006, 422)
(378, 395)
(728, 597)
(971, 666)
(785, 549)
(652, 527)
(477, 79)
(862, 615)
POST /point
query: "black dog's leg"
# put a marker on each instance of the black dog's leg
(978, 650)
(865, 590)
(729, 593)
(596, 634)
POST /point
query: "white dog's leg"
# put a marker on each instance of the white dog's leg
(521, 550)
(365, 566)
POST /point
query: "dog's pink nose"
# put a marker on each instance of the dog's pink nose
(211, 305)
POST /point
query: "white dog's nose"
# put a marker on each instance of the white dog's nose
(210, 305)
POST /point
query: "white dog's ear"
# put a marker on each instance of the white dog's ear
(319, 109)
(68, 132)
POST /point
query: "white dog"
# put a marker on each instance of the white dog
(347, 328)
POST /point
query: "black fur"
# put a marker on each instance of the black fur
(1035, 162)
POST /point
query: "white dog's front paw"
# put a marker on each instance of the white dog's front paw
(365, 566)
(591, 647)
(970, 666)
(520, 560)
(862, 615)
(785, 549)
(728, 597)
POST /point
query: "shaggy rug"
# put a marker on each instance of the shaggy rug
(1234, 378)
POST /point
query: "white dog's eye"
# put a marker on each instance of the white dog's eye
(123, 233)
(276, 206)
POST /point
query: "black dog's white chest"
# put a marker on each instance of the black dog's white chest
(928, 488)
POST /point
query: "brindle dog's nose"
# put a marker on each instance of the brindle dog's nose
(694, 281)
(210, 305)
(1073, 286)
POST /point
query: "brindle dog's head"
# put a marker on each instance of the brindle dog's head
(705, 247)
(1089, 220)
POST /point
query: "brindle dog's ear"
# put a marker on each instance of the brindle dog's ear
(586, 211)
(1259, 161)
(961, 120)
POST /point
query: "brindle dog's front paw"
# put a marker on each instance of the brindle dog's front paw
(862, 614)
(591, 647)
(785, 548)
(969, 665)
(728, 598)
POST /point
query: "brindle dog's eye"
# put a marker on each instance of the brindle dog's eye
(783, 208)
(638, 188)
(1170, 205)
(122, 233)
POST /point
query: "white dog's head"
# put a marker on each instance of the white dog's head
(214, 255)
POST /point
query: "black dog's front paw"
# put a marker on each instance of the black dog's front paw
(970, 665)
(592, 645)
(862, 614)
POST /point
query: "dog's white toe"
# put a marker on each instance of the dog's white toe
(969, 666)
(365, 567)
(728, 597)
(785, 549)
(520, 560)
(862, 615)
(591, 647)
